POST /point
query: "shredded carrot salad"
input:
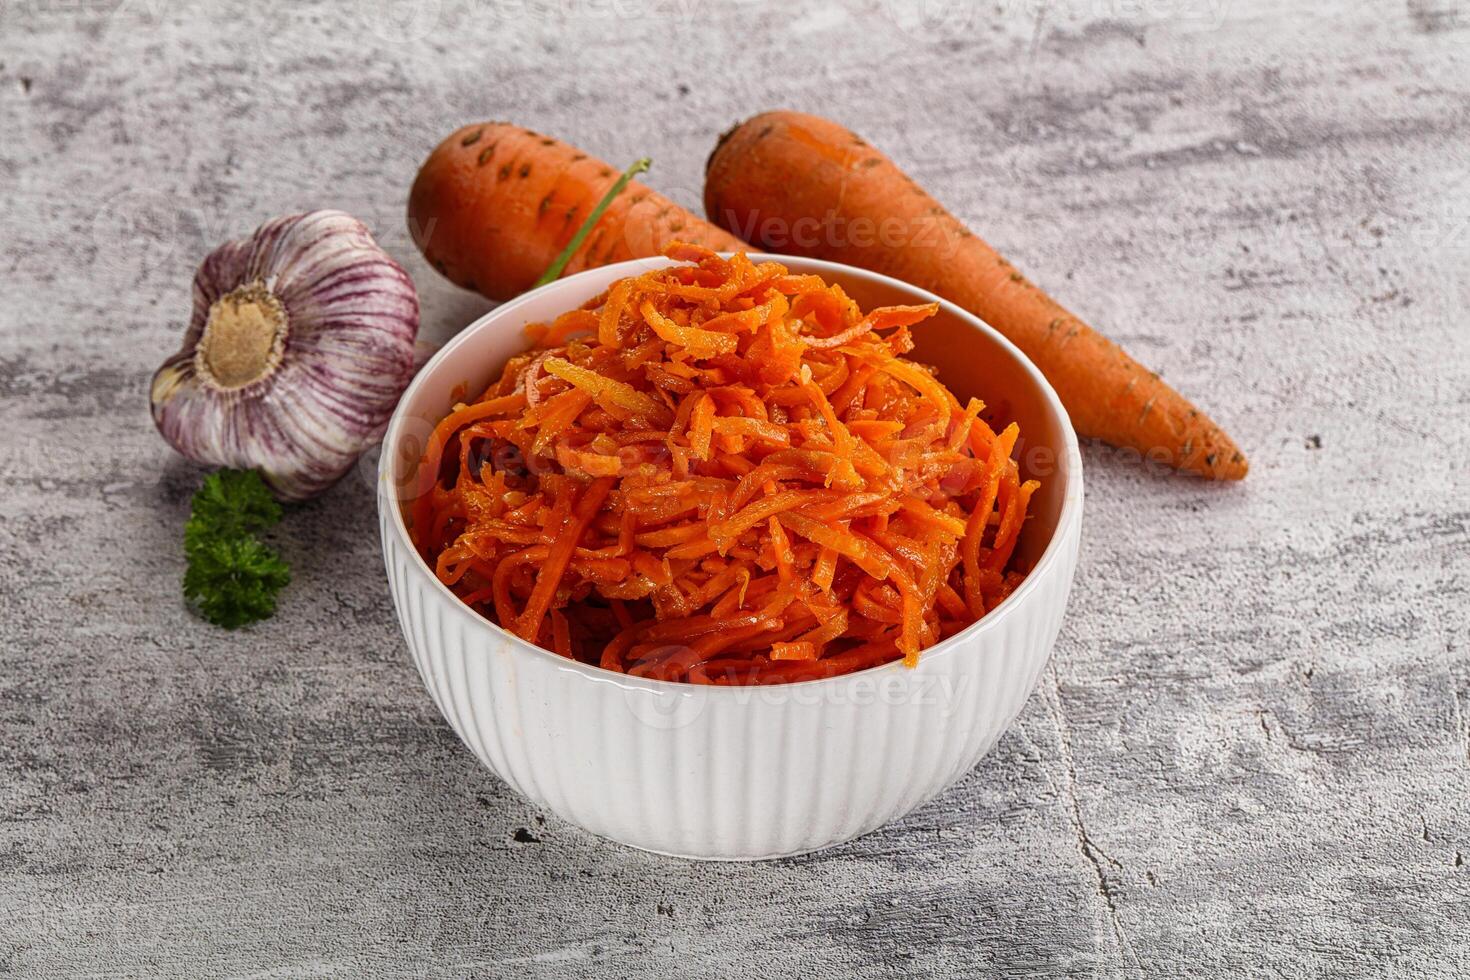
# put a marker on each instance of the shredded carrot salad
(723, 473)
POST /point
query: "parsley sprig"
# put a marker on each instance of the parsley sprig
(232, 578)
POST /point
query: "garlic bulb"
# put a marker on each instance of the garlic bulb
(300, 344)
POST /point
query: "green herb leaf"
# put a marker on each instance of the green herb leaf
(232, 578)
(560, 262)
(234, 581)
(233, 502)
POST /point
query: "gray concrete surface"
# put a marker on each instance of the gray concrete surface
(1251, 753)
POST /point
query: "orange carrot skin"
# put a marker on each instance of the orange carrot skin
(803, 185)
(494, 204)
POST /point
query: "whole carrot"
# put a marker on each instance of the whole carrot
(802, 184)
(494, 205)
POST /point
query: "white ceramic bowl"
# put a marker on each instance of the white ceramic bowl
(738, 773)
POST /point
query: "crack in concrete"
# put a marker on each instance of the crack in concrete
(1095, 856)
(1462, 724)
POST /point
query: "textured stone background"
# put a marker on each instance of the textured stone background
(1251, 753)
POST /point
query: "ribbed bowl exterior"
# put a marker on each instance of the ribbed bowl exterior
(738, 773)
(733, 774)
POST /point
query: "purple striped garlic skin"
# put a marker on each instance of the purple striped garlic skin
(300, 344)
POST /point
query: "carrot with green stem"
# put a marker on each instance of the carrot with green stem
(554, 271)
(495, 206)
(801, 184)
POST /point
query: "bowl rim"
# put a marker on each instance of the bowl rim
(1071, 512)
